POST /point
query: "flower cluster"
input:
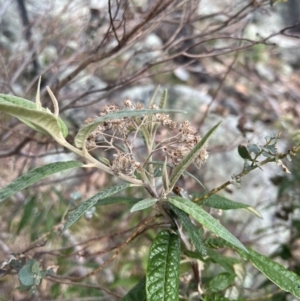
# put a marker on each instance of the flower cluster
(120, 135)
(187, 139)
(124, 163)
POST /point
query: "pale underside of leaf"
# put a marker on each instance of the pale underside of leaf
(219, 202)
(35, 175)
(146, 203)
(26, 117)
(88, 204)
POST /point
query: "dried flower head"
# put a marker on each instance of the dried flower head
(109, 109)
(124, 163)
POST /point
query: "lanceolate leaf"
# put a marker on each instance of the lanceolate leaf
(286, 280)
(163, 100)
(26, 111)
(152, 100)
(206, 220)
(143, 204)
(137, 293)
(35, 175)
(84, 132)
(87, 205)
(163, 268)
(28, 213)
(191, 230)
(220, 282)
(117, 200)
(181, 167)
(219, 202)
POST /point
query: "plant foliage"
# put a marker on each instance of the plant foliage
(189, 237)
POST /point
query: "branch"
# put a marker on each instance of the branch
(293, 151)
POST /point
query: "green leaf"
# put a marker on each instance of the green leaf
(40, 120)
(286, 280)
(146, 203)
(35, 175)
(205, 219)
(217, 297)
(87, 205)
(137, 293)
(35, 268)
(270, 150)
(225, 262)
(84, 132)
(27, 213)
(217, 243)
(220, 282)
(152, 100)
(253, 148)
(191, 230)
(163, 99)
(163, 268)
(26, 276)
(165, 176)
(181, 167)
(219, 202)
(117, 200)
(244, 153)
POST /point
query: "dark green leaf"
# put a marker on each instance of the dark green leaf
(87, 205)
(117, 200)
(217, 297)
(163, 268)
(220, 282)
(137, 293)
(191, 229)
(219, 202)
(226, 262)
(27, 213)
(205, 219)
(244, 153)
(35, 175)
(217, 243)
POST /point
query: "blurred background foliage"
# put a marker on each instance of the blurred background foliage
(237, 61)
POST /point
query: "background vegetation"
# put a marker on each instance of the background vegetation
(235, 61)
